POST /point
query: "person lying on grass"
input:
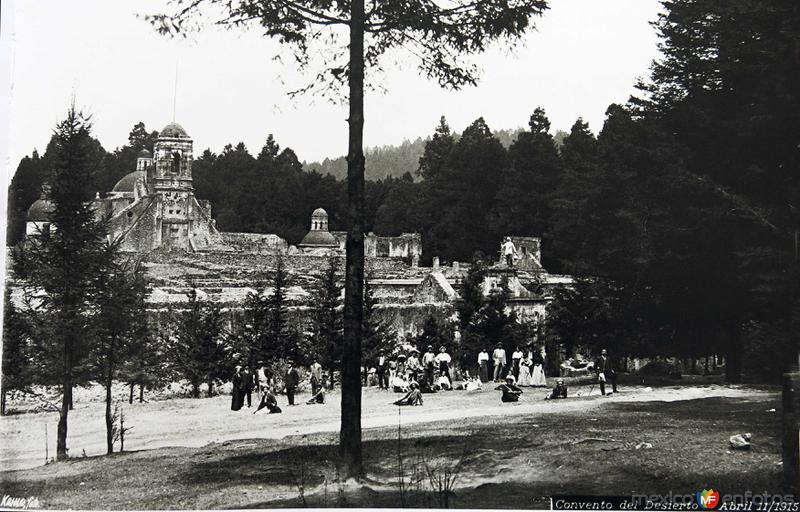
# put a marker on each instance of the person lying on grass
(510, 390)
(413, 397)
(560, 391)
(268, 402)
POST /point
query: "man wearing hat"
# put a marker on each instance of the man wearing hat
(510, 390)
(428, 363)
(560, 391)
(605, 372)
(499, 360)
(381, 366)
(413, 364)
(290, 381)
(237, 394)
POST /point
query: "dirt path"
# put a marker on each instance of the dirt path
(193, 423)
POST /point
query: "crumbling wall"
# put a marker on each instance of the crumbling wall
(256, 243)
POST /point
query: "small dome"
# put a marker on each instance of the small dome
(40, 210)
(173, 130)
(128, 181)
(145, 153)
(319, 238)
(319, 212)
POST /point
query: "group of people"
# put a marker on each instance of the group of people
(413, 375)
(429, 372)
(526, 367)
(244, 382)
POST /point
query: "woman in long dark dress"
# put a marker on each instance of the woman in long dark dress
(237, 395)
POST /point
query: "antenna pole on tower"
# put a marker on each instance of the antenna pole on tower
(175, 92)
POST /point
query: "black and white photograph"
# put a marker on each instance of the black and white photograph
(389, 254)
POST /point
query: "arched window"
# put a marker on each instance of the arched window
(176, 162)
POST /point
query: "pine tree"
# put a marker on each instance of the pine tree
(198, 352)
(64, 266)
(528, 183)
(120, 323)
(328, 327)
(16, 369)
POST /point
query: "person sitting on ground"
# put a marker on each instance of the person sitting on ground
(413, 397)
(318, 397)
(560, 391)
(472, 384)
(444, 381)
(268, 402)
(510, 390)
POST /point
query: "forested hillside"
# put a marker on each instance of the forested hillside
(385, 161)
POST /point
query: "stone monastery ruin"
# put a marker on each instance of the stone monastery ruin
(154, 214)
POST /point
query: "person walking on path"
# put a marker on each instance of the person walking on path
(483, 365)
(291, 380)
(499, 361)
(237, 395)
(605, 372)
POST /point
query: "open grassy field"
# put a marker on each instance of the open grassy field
(458, 450)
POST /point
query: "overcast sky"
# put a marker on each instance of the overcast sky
(584, 55)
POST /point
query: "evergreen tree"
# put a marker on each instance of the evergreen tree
(328, 326)
(120, 323)
(570, 247)
(198, 351)
(64, 265)
(528, 183)
(16, 352)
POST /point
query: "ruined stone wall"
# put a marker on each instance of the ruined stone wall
(255, 243)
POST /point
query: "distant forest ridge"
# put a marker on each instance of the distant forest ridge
(395, 161)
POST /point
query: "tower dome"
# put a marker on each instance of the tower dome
(174, 130)
(319, 236)
(128, 182)
(40, 210)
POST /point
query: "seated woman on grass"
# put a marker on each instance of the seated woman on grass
(510, 390)
(413, 397)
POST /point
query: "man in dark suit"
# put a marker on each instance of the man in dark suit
(291, 380)
(247, 379)
(381, 366)
(605, 372)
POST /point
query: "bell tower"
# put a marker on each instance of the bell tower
(170, 177)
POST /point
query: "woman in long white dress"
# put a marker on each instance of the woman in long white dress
(525, 373)
(537, 374)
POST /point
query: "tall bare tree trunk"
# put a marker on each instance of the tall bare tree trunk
(350, 432)
(61, 442)
(109, 417)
